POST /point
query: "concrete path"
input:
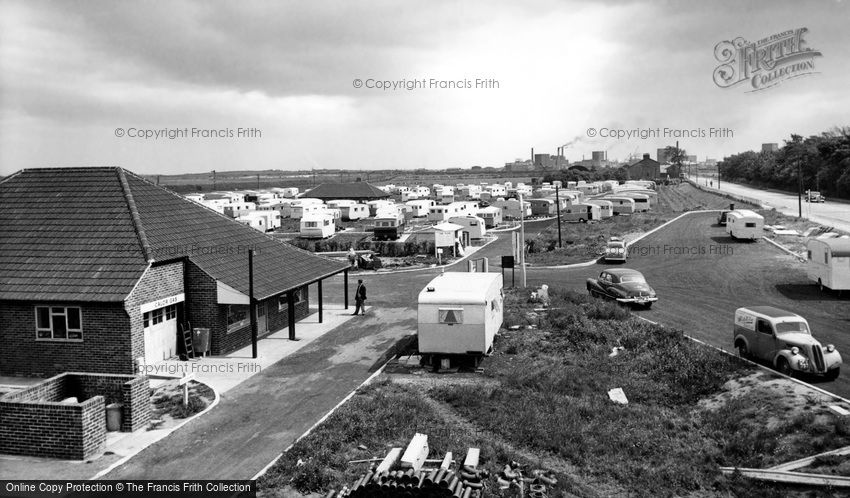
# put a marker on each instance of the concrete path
(830, 213)
(258, 418)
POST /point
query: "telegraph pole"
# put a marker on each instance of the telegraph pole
(558, 212)
(799, 190)
(522, 242)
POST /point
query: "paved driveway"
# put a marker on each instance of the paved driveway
(259, 418)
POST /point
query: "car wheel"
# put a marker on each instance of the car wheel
(820, 285)
(647, 305)
(783, 366)
(833, 374)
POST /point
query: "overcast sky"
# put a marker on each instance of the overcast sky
(71, 73)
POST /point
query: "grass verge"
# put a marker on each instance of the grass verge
(542, 399)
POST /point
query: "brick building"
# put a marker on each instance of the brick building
(101, 270)
(645, 169)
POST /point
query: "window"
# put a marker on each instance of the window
(237, 317)
(156, 316)
(282, 298)
(763, 327)
(799, 327)
(750, 225)
(171, 312)
(826, 257)
(58, 323)
(450, 316)
(310, 224)
(809, 255)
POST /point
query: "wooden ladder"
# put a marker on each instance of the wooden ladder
(187, 341)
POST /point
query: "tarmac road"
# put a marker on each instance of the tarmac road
(702, 276)
(258, 419)
(829, 213)
(698, 293)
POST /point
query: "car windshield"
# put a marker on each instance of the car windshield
(800, 327)
(632, 278)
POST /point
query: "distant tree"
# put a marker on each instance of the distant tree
(675, 156)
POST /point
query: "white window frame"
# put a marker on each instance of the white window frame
(68, 330)
(282, 299)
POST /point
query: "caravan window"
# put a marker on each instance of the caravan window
(750, 225)
(451, 316)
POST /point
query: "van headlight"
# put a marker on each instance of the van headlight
(830, 348)
(795, 350)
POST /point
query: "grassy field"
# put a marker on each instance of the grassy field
(583, 242)
(542, 401)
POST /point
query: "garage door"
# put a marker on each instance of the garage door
(160, 333)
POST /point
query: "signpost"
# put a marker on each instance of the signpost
(184, 381)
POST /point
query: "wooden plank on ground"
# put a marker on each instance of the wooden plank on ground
(799, 478)
(804, 462)
(447, 461)
(389, 461)
(416, 452)
(471, 458)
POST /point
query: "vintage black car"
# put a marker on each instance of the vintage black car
(623, 285)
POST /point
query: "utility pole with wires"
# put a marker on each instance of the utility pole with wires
(522, 242)
(558, 212)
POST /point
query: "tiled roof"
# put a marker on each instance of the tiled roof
(86, 234)
(354, 191)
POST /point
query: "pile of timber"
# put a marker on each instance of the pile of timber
(407, 475)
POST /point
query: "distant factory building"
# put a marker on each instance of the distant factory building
(519, 165)
(548, 161)
(645, 169)
(599, 158)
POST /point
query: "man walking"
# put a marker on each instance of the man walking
(360, 299)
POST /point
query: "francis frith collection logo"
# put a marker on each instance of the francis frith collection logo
(765, 63)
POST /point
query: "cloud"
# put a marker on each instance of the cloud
(70, 72)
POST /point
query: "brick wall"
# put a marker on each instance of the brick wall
(202, 297)
(158, 282)
(275, 319)
(204, 311)
(106, 344)
(133, 392)
(33, 421)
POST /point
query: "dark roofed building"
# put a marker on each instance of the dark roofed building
(355, 191)
(645, 169)
(101, 271)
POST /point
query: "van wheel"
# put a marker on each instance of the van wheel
(783, 366)
(743, 352)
